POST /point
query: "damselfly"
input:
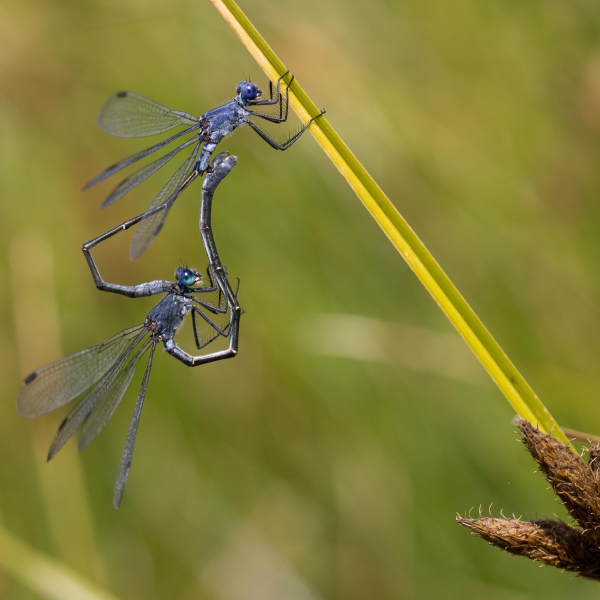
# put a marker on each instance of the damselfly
(127, 114)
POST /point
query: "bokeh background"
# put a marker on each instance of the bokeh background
(329, 460)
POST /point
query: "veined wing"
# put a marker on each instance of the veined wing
(104, 410)
(113, 385)
(58, 383)
(131, 434)
(214, 302)
(204, 332)
(215, 316)
(157, 212)
(127, 114)
(135, 157)
(142, 174)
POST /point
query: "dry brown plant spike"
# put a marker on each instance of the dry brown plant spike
(553, 542)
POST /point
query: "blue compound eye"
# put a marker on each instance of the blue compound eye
(248, 90)
(185, 276)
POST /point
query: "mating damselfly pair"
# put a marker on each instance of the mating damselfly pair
(100, 375)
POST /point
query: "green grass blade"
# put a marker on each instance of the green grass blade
(512, 384)
(47, 577)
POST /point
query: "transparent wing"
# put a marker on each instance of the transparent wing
(212, 302)
(135, 157)
(154, 220)
(58, 383)
(111, 387)
(142, 174)
(104, 410)
(215, 301)
(215, 311)
(204, 332)
(131, 434)
(127, 114)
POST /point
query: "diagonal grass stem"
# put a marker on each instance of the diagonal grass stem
(512, 384)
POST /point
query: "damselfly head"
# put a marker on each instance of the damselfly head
(188, 277)
(248, 91)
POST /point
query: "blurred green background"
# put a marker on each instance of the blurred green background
(329, 460)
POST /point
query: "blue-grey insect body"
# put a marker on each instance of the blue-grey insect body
(217, 124)
(167, 316)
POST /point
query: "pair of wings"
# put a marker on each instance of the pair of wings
(127, 114)
(104, 373)
(100, 375)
